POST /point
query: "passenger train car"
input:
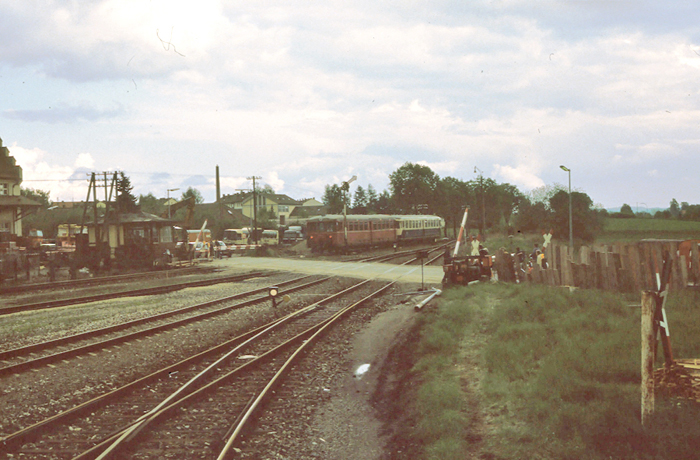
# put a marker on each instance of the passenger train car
(327, 233)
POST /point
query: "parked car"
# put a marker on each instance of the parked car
(291, 237)
(220, 249)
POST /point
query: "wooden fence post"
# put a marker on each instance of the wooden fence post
(648, 347)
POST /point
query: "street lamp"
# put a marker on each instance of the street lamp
(483, 205)
(170, 190)
(346, 187)
(571, 219)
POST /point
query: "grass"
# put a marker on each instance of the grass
(562, 375)
(636, 229)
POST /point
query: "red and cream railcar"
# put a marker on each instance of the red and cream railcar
(338, 233)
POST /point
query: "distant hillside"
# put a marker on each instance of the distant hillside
(651, 211)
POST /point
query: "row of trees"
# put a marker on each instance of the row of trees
(416, 189)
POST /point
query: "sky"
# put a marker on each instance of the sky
(305, 94)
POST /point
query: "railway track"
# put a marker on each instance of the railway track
(102, 280)
(411, 254)
(25, 358)
(54, 303)
(196, 408)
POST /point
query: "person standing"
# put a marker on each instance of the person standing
(475, 245)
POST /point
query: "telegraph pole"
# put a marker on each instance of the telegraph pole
(255, 209)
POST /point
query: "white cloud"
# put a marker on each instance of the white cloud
(317, 92)
(520, 176)
(63, 182)
(84, 160)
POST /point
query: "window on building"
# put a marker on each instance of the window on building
(4, 189)
(282, 208)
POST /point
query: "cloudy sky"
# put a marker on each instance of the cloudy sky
(305, 94)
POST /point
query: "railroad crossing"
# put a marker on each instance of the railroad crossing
(431, 275)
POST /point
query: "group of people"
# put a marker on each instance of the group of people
(537, 256)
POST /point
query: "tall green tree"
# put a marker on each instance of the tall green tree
(452, 197)
(674, 209)
(587, 222)
(191, 191)
(333, 198)
(385, 203)
(372, 198)
(412, 186)
(149, 203)
(508, 199)
(359, 203)
(126, 201)
(40, 196)
(533, 217)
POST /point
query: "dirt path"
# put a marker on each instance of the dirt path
(349, 421)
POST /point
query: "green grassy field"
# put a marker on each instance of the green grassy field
(638, 229)
(561, 376)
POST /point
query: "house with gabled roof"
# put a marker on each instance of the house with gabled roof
(12, 204)
(280, 205)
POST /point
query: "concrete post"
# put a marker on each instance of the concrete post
(648, 347)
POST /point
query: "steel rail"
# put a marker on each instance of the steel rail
(128, 293)
(238, 428)
(98, 280)
(27, 433)
(121, 439)
(144, 332)
(33, 348)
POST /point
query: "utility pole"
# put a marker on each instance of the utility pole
(255, 209)
(218, 193)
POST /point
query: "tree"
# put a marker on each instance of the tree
(359, 205)
(149, 203)
(333, 198)
(586, 220)
(506, 202)
(126, 201)
(372, 198)
(40, 196)
(191, 191)
(452, 196)
(385, 203)
(626, 211)
(533, 217)
(413, 185)
(674, 209)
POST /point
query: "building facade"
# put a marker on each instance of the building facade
(281, 206)
(12, 203)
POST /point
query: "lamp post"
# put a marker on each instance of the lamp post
(346, 187)
(483, 205)
(571, 219)
(170, 190)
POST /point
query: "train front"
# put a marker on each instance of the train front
(324, 233)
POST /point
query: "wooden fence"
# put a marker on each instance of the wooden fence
(624, 267)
